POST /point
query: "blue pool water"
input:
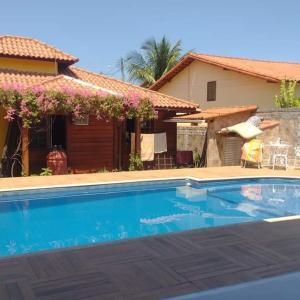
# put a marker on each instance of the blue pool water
(35, 220)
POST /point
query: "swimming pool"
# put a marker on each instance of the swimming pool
(51, 218)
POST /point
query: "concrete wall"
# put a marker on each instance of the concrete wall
(191, 138)
(215, 145)
(288, 129)
(233, 88)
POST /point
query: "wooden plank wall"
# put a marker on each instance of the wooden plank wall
(96, 146)
(37, 160)
(169, 128)
(171, 132)
(90, 148)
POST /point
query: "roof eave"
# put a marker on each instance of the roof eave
(183, 63)
(63, 61)
(190, 57)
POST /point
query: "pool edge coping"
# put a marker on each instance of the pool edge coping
(143, 180)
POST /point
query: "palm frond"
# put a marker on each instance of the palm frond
(155, 59)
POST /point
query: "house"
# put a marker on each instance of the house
(90, 145)
(219, 148)
(214, 81)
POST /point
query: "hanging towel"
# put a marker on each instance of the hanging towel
(147, 146)
(245, 130)
(252, 151)
(160, 142)
(132, 143)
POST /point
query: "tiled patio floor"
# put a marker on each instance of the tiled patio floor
(218, 172)
(154, 267)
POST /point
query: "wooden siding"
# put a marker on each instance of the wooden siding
(37, 160)
(90, 148)
(101, 144)
(171, 132)
(169, 128)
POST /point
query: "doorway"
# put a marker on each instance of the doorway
(58, 132)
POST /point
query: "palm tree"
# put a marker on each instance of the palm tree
(154, 60)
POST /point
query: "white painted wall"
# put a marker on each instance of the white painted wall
(232, 88)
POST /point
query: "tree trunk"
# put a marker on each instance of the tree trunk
(25, 151)
(137, 140)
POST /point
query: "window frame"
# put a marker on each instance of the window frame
(211, 85)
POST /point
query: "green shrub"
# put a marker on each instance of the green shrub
(287, 96)
(103, 170)
(135, 162)
(197, 158)
(46, 172)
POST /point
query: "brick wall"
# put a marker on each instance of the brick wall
(190, 138)
(288, 129)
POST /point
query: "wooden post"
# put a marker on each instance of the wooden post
(25, 151)
(137, 137)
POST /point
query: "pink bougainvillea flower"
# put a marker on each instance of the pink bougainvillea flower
(38, 89)
(132, 99)
(77, 111)
(101, 94)
(24, 109)
(6, 86)
(18, 87)
(69, 91)
(10, 113)
(85, 93)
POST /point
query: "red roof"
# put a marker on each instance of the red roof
(72, 76)
(268, 124)
(15, 46)
(217, 112)
(269, 70)
(159, 100)
(79, 78)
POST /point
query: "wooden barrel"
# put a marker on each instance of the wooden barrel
(57, 162)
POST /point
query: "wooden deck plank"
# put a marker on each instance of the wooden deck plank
(154, 267)
(76, 286)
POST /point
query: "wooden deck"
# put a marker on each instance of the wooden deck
(154, 267)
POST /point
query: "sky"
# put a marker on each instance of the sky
(100, 32)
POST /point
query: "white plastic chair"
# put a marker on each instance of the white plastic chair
(297, 156)
(280, 154)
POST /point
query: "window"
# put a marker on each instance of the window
(211, 90)
(38, 135)
(82, 120)
(147, 126)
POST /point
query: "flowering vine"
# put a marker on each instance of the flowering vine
(31, 104)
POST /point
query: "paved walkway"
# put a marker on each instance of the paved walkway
(219, 172)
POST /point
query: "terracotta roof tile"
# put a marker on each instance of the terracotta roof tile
(268, 124)
(217, 112)
(61, 81)
(91, 81)
(25, 78)
(31, 48)
(269, 70)
(159, 100)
